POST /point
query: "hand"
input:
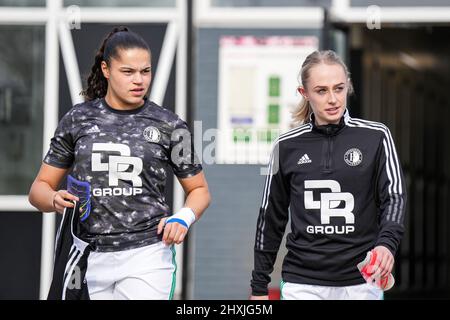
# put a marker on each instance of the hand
(173, 232)
(59, 200)
(252, 297)
(384, 262)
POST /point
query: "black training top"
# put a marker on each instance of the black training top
(120, 163)
(344, 188)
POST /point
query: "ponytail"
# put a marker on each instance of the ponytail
(302, 112)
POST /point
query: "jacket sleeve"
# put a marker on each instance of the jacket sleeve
(271, 224)
(391, 194)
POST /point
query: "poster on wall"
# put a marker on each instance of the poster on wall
(258, 79)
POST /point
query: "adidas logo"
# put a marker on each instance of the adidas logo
(93, 129)
(304, 159)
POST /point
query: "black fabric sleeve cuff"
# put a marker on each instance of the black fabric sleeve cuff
(259, 288)
(189, 173)
(57, 164)
(264, 261)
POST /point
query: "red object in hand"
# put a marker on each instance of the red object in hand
(367, 267)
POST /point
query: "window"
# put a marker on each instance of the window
(22, 50)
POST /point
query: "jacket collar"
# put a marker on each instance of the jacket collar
(330, 129)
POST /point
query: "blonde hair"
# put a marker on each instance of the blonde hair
(303, 111)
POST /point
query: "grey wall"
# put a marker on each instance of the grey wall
(223, 239)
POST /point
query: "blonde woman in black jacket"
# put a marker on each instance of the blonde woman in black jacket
(341, 180)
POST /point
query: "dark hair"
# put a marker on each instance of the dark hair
(119, 38)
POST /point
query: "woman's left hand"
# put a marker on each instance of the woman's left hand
(173, 232)
(384, 262)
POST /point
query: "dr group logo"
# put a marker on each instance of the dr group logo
(328, 206)
(117, 168)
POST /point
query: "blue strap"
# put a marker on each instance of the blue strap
(182, 222)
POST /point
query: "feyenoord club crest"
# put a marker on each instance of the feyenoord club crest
(353, 157)
(152, 134)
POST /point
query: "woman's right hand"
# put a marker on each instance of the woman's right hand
(60, 200)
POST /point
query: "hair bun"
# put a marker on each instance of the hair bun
(120, 29)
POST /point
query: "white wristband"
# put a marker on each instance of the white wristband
(184, 216)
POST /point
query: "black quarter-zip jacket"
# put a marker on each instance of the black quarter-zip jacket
(344, 189)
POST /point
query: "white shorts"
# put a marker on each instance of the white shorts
(296, 291)
(146, 273)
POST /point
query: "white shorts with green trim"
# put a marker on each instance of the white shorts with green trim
(145, 273)
(296, 291)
